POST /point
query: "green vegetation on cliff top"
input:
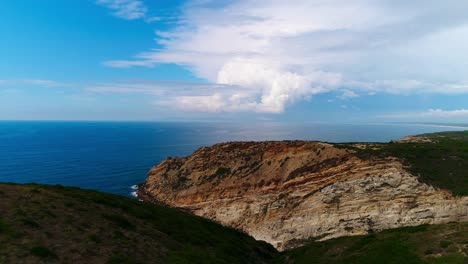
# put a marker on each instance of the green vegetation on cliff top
(442, 163)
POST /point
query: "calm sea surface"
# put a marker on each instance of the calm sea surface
(113, 156)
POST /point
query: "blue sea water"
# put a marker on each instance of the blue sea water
(113, 156)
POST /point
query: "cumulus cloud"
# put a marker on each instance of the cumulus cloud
(126, 9)
(275, 86)
(277, 52)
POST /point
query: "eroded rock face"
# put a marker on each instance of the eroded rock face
(287, 192)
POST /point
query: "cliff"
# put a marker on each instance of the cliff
(288, 192)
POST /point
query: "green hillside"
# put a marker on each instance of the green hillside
(54, 224)
(421, 244)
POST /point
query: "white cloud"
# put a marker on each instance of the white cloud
(188, 96)
(143, 88)
(161, 87)
(348, 94)
(431, 114)
(278, 52)
(407, 87)
(445, 113)
(126, 9)
(210, 103)
(275, 87)
(34, 82)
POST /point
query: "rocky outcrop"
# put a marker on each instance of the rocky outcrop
(287, 192)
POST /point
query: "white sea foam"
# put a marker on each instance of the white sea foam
(134, 193)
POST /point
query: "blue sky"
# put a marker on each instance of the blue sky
(302, 61)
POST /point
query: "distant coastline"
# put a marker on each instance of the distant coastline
(458, 126)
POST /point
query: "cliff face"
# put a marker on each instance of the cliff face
(287, 192)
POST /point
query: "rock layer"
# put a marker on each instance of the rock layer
(287, 192)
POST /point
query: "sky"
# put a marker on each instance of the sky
(234, 60)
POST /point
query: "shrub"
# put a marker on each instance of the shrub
(445, 244)
(30, 223)
(120, 221)
(429, 252)
(118, 259)
(42, 252)
(223, 171)
(3, 227)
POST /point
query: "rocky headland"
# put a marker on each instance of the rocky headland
(289, 192)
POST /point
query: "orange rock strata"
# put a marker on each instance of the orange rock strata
(287, 192)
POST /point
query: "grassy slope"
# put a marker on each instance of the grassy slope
(422, 244)
(443, 163)
(68, 225)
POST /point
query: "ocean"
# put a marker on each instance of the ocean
(115, 156)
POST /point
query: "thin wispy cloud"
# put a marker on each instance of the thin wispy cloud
(430, 114)
(160, 87)
(407, 87)
(188, 96)
(33, 82)
(446, 113)
(347, 94)
(125, 9)
(281, 52)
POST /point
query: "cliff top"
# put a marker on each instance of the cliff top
(439, 159)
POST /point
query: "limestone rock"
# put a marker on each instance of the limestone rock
(287, 192)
